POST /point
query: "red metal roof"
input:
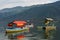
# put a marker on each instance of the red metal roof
(20, 23)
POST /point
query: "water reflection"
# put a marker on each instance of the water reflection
(37, 35)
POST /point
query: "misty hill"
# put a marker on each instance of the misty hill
(12, 11)
(39, 12)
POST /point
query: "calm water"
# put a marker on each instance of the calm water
(38, 36)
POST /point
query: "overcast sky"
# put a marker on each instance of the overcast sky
(14, 3)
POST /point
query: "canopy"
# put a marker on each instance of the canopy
(10, 24)
(20, 23)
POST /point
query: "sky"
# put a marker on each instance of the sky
(14, 3)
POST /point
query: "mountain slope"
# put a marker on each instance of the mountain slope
(12, 11)
(40, 11)
(37, 12)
